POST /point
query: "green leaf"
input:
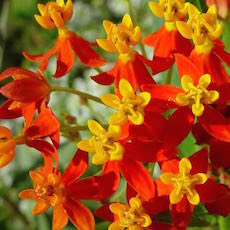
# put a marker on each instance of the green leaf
(224, 223)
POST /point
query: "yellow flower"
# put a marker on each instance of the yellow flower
(103, 144)
(54, 14)
(171, 10)
(196, 96)
(202, 28)
(130, 107)
(184, 183)
(120, 37)
(130, 217)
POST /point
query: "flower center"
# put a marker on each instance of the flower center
(196, 96)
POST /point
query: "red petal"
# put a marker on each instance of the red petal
(201, 136)
(160, 225)
(187, 67)
(6, 113)
(65, 57)
(148, 151)
(44, 125)
(42, 58)
(79, 215)
(138, 177)
(130, 192)
(221, 53)
(210, 191)
(215, 124)
(25, 90)
(219, 153)
(181, 121)
(171, 166)
(15, 71)
(224, 94)
(110, 177)
(182, 213)
(104, 213)
(84, 52)
(76, 167)
(103, 78)
(199, 161)
(28, 112)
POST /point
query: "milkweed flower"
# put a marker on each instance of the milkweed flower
(199, 94)
(130, 107)
(188, 185)
(64, 191)
(167, 40)
(209, 51)
(25, 93)
(130, 64)
(56, 14)
(108, 149)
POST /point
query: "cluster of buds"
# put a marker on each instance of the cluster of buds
(149, 122)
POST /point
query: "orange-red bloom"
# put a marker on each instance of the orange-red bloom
(130, 65)
(167, 40)
(25, 93)
(56, 14)
(64, 192)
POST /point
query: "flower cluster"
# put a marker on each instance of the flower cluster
(149, 122)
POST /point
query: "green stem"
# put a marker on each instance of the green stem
(169, 76)
(55, 88)
(151, 167)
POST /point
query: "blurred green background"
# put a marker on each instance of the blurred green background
(18, 32)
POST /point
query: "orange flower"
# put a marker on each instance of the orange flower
(130, 65)
(63, 193)
(55, 15)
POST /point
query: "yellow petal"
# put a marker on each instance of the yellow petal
(118, 118)
(136, 37)
(85, 146)
(146, 98)
(214, 96)
(115, 208)
(108, 25)
(147, 220)
(122, 47)
(41, 8)
(184, 29)
(199, 178)
(57, 18)
(114, 131)
(45, 22)
(137, 118)
(212, 10)
(117, 153)
(182, 100)
(115, 226)
(40, 207)
(185, 166)
(167, 178)
(135, 203)
(111, 100)
(127, 21)
(37, 177)
(186, 82)
(95, 127)
(107, 45)
(100, 158)
(197, 110)
(157, 9)
(217, 33)
(175, 196)
(6, 158)
(68, 12)
(193, 198)
(192, 10)
(205, 80)
(125, 88)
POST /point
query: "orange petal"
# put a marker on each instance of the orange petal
(40, 207)
(60, 218)
(27, 194)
